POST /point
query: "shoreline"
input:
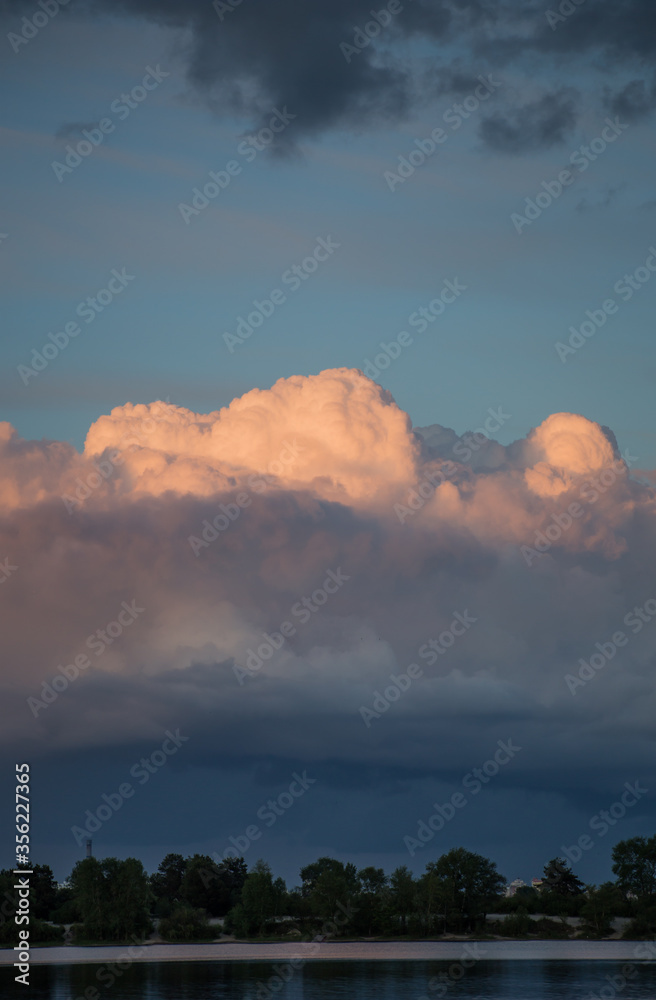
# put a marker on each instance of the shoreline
(485, 950)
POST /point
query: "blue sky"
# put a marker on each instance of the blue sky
(451, 218)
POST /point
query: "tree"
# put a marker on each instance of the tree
(167, 880)
(43, 891)
(261, 900)
(329, 884)
(433, 901)
(113, 898)
(372, 899)
(560, 879)
(634, 863)
(600, 906)
(129, 898)
(465, 884)
(89, 895)
(65, 909)
(233, 873)
(403, 894)
(211, 886)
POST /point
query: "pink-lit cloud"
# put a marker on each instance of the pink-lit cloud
(334, 457)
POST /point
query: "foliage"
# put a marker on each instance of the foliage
(459, 888)
(329, 885)
(634, 863)
(643, 925)
(372, 902)
(526, 898)
(516, 925)
(554, 904)
(560, 879)
(210, 886)
(600, 906)
(261, 901)
(167, 880)
(520, 925)
(43, 891)
(65, 910)
(402, 896)
(41, 933)
(186, 924)
(113, 898)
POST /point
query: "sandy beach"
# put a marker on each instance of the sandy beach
(629, 951)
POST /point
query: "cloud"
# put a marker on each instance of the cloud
(417, 534)
(243, 58)
(73, 130)
(539, 124)
(563, 447)
(337, 433)
(634, 101)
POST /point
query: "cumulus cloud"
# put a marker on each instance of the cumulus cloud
(336, 433)
(332, 478)
(565, 446)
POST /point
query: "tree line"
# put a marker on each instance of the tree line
(114, 900)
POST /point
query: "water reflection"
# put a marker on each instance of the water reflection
(334, 980)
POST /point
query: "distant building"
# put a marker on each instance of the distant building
(537, 883)
(514, 886)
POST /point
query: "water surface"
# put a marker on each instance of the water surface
(392, 979)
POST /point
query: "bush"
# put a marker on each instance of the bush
(516, 925)
(41, 933)
(553, 929)
(186, 924)
(67, 913)
(554, 904)
(643, 925)
(520, 925)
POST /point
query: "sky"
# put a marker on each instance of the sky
(266, 269)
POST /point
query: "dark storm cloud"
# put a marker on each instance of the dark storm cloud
(258, 54)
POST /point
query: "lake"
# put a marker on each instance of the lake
(464, 978)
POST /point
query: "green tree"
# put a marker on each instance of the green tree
(329, 885)
(43, 891)
(373, 900)
(87, 882)
(464, 883)
(232, 873)
(261, 901)
(213, 887)
(166, 882)
(403, 894)
(560, 879)
(65, 910)
(600, 907)
(433, 901)
(129, 897)
(113, 898)
(634, 863)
